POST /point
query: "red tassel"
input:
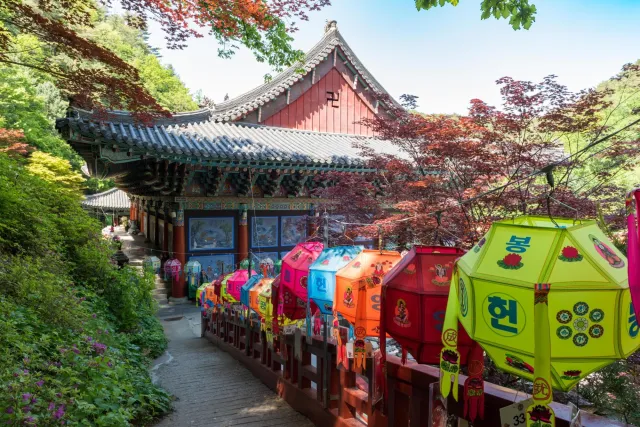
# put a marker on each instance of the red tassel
(474, 385)
(317, 324)
(403, 359)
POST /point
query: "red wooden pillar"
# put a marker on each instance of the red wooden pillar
(243, 234)
(130, 209)
(179, 249)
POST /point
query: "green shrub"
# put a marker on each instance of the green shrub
(77, 333)
(90, 375)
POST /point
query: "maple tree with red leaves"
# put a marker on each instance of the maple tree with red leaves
(453, 176)
(97, 78)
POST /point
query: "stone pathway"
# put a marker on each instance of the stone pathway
(210, 387)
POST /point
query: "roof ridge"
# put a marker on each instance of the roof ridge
(294, 67)
(251, 100)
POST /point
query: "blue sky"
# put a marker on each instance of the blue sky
(446, 56)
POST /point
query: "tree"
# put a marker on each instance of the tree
(521, 14)
(453, 176)
(22, 109)
(96, 76)
(55, 170)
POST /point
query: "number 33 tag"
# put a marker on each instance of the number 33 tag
(514, 415)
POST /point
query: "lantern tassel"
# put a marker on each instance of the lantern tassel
(336, 335)
(474, 384)
(359, 345)
(383, 346)
(403, 359)
(542, 392)
(449, 356)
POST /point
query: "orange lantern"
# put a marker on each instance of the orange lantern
(358, 287)
(414, 302)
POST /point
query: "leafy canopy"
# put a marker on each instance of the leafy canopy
(520, 13)
(97, 77)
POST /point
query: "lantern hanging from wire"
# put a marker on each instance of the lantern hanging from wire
(153, 263)
(192, 272)
(414, 302)
(238, 279)
(357, 297)
(360, 283)
(220, 285)
(322, 275)
(295, 267)
(172, 269)
(547, 299)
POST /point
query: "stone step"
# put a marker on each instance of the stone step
(160, 291)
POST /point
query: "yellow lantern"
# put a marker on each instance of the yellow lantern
(584, 319)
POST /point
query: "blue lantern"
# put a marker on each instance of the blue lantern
(322, 275)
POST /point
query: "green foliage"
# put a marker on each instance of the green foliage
(521, 14)
(77, 333)
(89, 375)
(21, 107)
(55, 170)
(615, 391)
(131, 45)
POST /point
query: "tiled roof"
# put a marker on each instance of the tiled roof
(238, 107)
(235, 142)
(110, 199)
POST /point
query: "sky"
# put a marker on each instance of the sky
(446, 56)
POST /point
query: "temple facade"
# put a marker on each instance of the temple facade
(224, 183)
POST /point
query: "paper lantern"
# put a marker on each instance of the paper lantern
(225, 296)
(236, 281)
(192, 271)
(152, 262)
(582, 319)
(358, 284)
(172, 268)
(244, 290)
(201, 296)
(209, 297)
(414, 302)
(254, 295)
(322, 275)
(295, 267)
(265, 307)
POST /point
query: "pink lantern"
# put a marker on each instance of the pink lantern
(172, 268)
(295, 268)
(236, 281)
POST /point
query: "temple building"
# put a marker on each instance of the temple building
(220, 183)
(108, 206)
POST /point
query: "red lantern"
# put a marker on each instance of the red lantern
(414, 302)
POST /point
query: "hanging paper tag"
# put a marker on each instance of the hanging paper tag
(576, 416)
(463, 423)
(514, 415)
(349, 347)
(437, 407)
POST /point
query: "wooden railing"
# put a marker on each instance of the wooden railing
(340, 397)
